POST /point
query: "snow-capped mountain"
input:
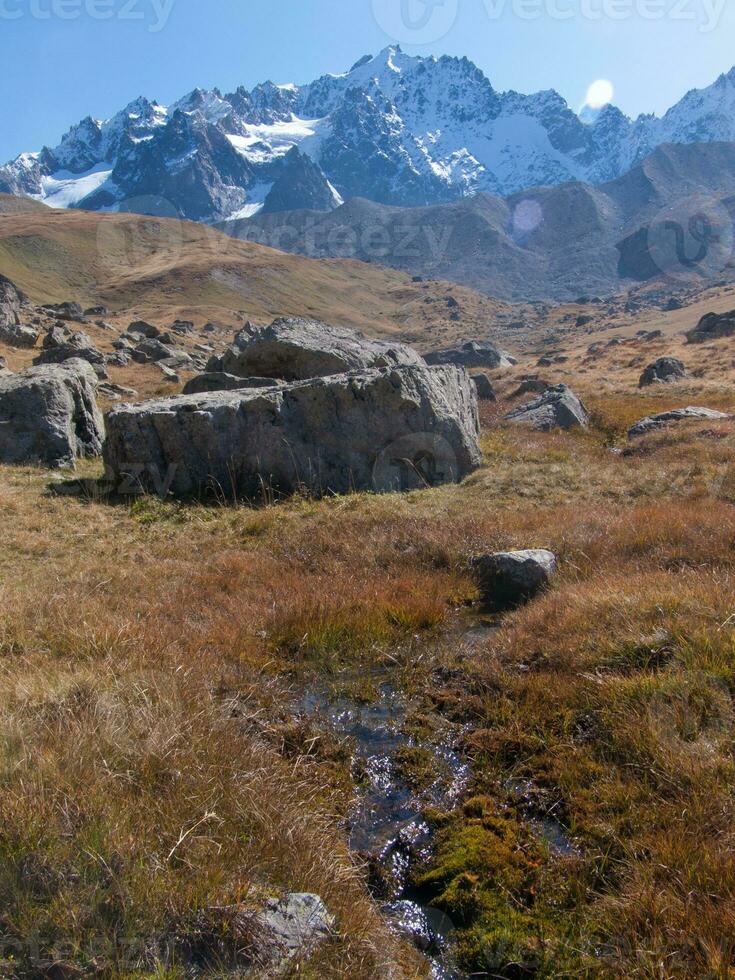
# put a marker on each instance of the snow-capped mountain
(395, 129)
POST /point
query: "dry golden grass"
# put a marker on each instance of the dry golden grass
(147, 650)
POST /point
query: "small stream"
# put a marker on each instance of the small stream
(386, 825)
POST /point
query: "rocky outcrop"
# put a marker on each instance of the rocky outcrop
(218, 381)
(665, 370)
(509, 578)
(49, 415)
(712, 326)
(12, 301)
(294, 349)
(557, 408)
(665, 419)
(472, 355)
(379, 429)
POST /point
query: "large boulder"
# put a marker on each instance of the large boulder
(665, 370)
(379, 429)
(663, 420)
(485, 390)
(509, 578)
(294, 349)
(49, 415)
(712, 326)
(472, 355)
(557, 408)
(219, 381)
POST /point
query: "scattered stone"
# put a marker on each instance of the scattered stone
(60, 345)
(218, 381)
(544, 362)
(664, 419)
(663, 371)
(485, 390)
(49, 415)
(294, 926)
(121, 358)
(712, 326)
(473, 355)
(583, 321)
(144, 328)
(509, 578)
(4, 366)
(293, 349)
(115, 392)
(182, 326)
(154, 350)
(104, 325)
(66, 311)
(94, 311)
(557, 408)
(673, 304)
(210, 328)
(378, 429)
(18, 335)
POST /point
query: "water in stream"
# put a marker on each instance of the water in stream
(386, 827)
(386, 824)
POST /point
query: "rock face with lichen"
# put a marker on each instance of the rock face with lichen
(49, 415)
(379, 429)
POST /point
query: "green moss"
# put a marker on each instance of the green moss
(510, 906)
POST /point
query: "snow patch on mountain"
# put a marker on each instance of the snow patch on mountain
(396, 129)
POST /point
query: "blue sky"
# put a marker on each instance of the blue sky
(64, 59)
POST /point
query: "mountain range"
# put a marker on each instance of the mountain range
(395, 130)
(670, 216)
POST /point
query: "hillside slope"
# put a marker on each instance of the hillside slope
(163, 268)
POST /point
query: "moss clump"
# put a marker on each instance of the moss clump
(498, 885)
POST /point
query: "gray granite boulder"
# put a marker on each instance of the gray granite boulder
(557, 408)
(18, 335)
(665, 370)
(663, 420)
(49, 415)
(712, 326)
(294, 349)
(473, 355)
(509, 578)
(379, 429)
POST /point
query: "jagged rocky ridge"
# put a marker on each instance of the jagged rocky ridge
(395, 129)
